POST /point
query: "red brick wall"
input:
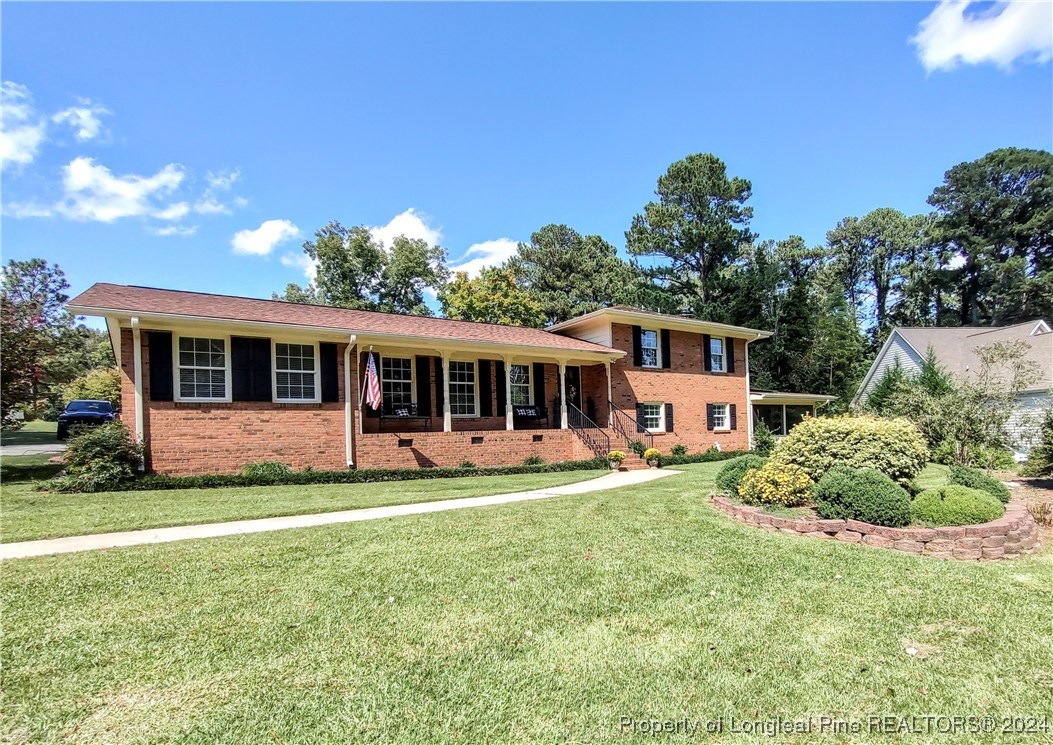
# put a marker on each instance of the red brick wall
(687, 386)
(443, 449)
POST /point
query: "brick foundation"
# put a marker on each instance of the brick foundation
(1010, 536)
(442, 449)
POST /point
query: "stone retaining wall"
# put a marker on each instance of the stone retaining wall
(1012, 535)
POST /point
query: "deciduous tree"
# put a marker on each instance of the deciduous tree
(493, 297)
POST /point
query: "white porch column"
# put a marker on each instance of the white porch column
(610, 393)
(137, 377)
(562, 394)
(509, 423)
(447, 417)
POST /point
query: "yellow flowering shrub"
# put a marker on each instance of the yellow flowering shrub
(892, 446)
(652, 454)
(777, 483)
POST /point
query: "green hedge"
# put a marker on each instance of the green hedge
(861, 494)
(955, 505)
(730, 475)
(974, 479)
(709, 456)
(360, 476)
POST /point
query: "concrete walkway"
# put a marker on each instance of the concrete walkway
(74, 544)
(53, 447)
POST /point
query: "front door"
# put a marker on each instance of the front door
(574, 386)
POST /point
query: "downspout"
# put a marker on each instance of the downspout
(137, 362)
(348, 407)
(749, 397)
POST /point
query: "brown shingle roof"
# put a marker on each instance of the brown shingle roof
(149, 300)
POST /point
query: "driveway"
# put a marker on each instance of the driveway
(43, 449)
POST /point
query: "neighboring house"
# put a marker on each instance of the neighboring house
(212, 382)
(956, 350)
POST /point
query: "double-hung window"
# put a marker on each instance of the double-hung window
(519, 375)
(716, 355)
(649, 355)
(396, 383)
(202, 368)
(653, 417)
(720, 417)
(462, 388)
(295, 372)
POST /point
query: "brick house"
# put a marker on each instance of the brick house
(212, 382)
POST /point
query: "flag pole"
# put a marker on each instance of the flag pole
(362, 388)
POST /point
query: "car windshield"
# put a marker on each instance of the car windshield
(102, 407)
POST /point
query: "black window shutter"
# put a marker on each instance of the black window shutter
(369, 410)
(669, 418)
(709, 417)
(640, 418)
(637, 347)
(423, 386)
(667, 360)
(499, 377)
(707, 359)
(330, 372)
(537, 375)
(250, 368)
(439, 400)
(733, 416)
(729, 354)
(160, 346)
(486, 389)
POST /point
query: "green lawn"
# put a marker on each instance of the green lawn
(534, 622)
(26, 514)
(34, 433)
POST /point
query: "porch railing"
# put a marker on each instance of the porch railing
(588, 431)
(628, 427)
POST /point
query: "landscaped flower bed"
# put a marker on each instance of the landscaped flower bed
(1013, 534)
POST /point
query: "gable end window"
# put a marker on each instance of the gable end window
(716, 354)
(649, 349)
(295, 373)
(201, 371)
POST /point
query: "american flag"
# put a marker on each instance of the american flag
(373, 396)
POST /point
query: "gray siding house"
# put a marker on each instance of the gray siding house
(956, 349)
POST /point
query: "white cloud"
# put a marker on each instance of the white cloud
(303, 262)
(21, 129)
(209, 206)
(1002, 34)
(263, 240)
(84, 119)
(20, 210)
(222, 181)
(479, 256)
(92, 192)
(218, 183)
(410, 224)
(174, 230)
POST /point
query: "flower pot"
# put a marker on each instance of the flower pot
(653, 463)
(614, 464)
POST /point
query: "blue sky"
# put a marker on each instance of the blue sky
(195, 146)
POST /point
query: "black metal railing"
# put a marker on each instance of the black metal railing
(589, 432)
(629, 428)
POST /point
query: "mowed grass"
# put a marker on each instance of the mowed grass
(534, 622)
(33, 433)
(26, 514)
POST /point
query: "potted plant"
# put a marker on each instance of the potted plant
(651, 455)
(614, 459)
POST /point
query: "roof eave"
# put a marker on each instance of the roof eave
(668, 320)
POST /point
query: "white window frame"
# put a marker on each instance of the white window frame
(657, 348)
(317, 372)
(176, 367)
(661, 416)
(412, 378)
(727, 417)
(723, 355)
(475, 385)
(529, 384)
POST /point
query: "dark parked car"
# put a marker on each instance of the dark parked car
(84, 413)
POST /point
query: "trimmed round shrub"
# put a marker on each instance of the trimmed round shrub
(866, 495)
(975, 479)
(729, 477)
(776, 483)
(955, 505)
(892, 446)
